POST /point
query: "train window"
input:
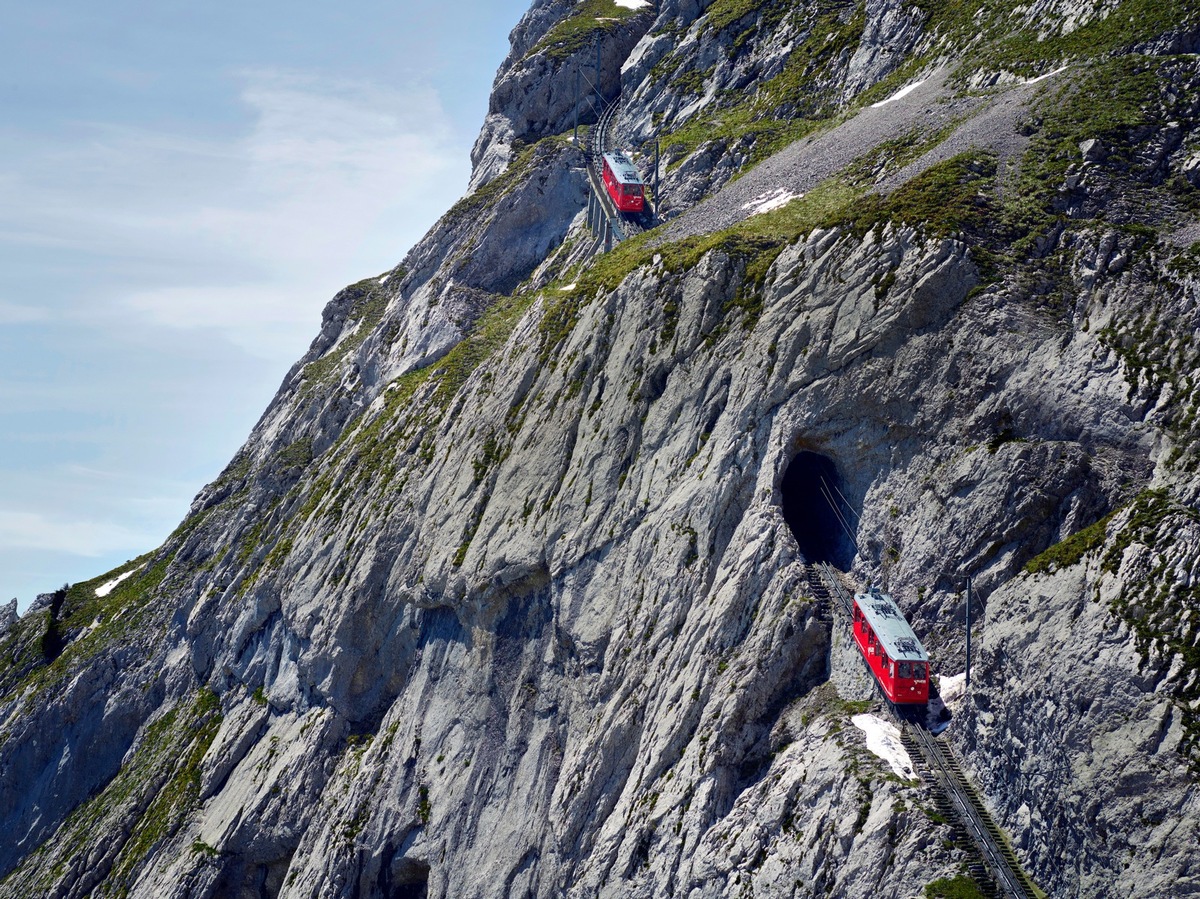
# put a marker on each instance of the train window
(904, 669)
(919, 670)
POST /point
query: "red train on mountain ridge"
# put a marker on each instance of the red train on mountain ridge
(893, 652)
(623, 183)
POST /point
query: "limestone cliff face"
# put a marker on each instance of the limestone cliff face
(506, 593)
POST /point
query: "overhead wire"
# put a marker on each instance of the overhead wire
(849, 508)
(833, 505)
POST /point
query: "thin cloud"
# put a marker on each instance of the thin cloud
(334, 176)
(78, 537)
(249, 234)
(18, 314)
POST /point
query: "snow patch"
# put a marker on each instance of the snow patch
(633, 4)
(952, 689)
(883, 739)
(1044, 77)
(107, 588)
(567, 288)
(903, 92)
(383, 280)
(769, 201)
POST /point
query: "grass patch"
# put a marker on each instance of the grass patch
(756, 242)
(589, 20)
(1105, 102)
(947, 199)
(1071, 550)
(297, 454)
(723, 13)
(83, 624)
(798, 101)
(960, 887)
(994, 39)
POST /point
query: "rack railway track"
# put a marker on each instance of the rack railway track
(624, 225)
(1003, 876)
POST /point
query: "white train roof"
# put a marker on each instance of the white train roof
(623, 170)
(890, 626)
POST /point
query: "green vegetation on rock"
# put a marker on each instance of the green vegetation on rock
(369, 299)
(1071, 550)
(140, 808)
(84, 625)
(960, 887)
(996, 37)
(1160, 606)
(798, 101)
(580, 29)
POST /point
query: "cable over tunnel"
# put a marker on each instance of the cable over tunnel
(818, 512)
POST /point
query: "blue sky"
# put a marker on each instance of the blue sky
(182, 188)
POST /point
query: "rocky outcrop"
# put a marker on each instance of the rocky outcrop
(565, 62)
(501, 595)
(8, 617)
(1101, 738)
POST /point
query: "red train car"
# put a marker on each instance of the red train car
(893, 652)
(623, 182)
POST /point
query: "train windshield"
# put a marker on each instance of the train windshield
(919, 670)
(904, 669)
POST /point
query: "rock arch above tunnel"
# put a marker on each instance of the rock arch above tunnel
(817, 511)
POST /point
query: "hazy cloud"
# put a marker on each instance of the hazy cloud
(16, 314)
(328, 180)
(37, 531)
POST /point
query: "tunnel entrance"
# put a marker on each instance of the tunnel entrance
(817, 511)
(410, 879)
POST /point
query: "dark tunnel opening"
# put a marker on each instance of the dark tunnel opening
(410, 878)
(817, 511)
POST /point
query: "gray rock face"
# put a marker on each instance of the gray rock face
(1097, 737)
(8, 617)
(40, 604)
(506, 594)
(891, 32)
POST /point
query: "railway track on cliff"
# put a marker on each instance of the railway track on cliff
(623, 225)
(999, 872)
(972, 814)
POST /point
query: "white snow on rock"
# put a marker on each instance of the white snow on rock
(1044, 77)
(903, 92)
(633, 4)
(952, 688)
(110, 586)
(768, 201)
(883, 739)
(567, 288)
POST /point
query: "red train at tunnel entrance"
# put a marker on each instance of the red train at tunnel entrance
(623, 183)
(894, 654)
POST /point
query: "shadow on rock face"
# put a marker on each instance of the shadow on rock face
(817, 511)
